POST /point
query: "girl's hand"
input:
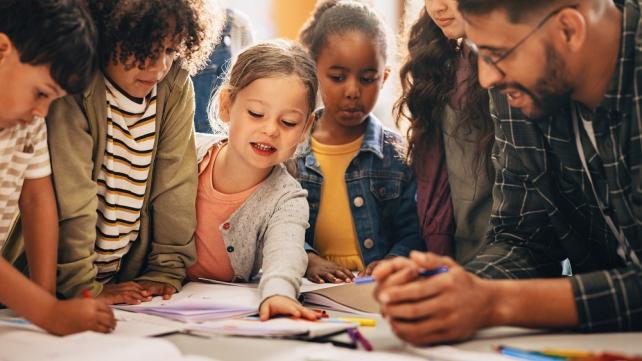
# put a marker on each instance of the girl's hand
(281, 305)
(130, 293)
(158, 289)
(321, 270)
(77, 315)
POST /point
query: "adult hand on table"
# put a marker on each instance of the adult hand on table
(446, 307)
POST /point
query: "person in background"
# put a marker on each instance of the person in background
(236, 35)
(450, 135)
(361, 192)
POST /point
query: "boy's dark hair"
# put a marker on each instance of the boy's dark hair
(132, 31)
(338, 17)
(58, 33)
(517, 10)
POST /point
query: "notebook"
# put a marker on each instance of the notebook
(199, 302)
(277, 327)
(345, 297)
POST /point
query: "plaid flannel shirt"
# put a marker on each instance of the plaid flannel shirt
(544, 209)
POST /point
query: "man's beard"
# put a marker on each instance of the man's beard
(552, 92)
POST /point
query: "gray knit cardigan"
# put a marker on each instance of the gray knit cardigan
(267, 231)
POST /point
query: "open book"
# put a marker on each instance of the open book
(199, 302)
(345, 297)
(277, 327)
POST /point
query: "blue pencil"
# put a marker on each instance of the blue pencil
(422, 273)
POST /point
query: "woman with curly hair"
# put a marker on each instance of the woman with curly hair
(451, 133)
(123, 153)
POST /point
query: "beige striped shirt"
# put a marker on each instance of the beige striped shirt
(23, 155)
(124, 175)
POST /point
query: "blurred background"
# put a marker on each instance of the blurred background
(283, 19)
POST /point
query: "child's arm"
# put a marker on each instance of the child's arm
(320, 270)
(40, 229)
(173, 195)
(281, 305)
(284, 257)
(41, 308)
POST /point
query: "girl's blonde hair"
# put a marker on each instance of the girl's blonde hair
(269, 59)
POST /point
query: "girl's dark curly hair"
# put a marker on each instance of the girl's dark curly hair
(428, 81)
(137, 28)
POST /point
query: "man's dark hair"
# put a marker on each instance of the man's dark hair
(131, 32)
(516, 10)
(58, 33)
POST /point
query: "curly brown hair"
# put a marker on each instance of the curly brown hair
(428, 82)
(137, 28)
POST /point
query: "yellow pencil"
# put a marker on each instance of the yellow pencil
(367, 322)
(568, 353)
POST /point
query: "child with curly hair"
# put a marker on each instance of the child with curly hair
(123, 153)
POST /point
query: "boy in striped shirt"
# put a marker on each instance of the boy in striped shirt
(38, 65)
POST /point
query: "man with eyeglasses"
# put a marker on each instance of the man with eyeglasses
(566, 97)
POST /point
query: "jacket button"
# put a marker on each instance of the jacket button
(358, 202)
(230, 249)
(368, 243)
(226, 225)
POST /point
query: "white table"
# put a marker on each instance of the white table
(243, 348)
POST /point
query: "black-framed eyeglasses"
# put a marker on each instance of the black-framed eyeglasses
(494, 59)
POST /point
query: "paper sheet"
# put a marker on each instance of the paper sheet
(199, 302)
(327, 352)
(24, 345)
(142, 325)
(279, 327)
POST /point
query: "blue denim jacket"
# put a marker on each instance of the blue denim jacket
(382, 191)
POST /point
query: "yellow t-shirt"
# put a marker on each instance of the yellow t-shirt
(335, 236)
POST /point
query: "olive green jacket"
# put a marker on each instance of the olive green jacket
(77, 135)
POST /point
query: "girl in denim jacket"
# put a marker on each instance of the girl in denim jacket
(361, 193)
(251, 214)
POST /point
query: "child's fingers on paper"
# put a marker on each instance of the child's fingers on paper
(168, 291)
(313, 277)
(349, 275)
(131, 298)
(129, 286)
(264, 312)
(308, 314)
(329, 277)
